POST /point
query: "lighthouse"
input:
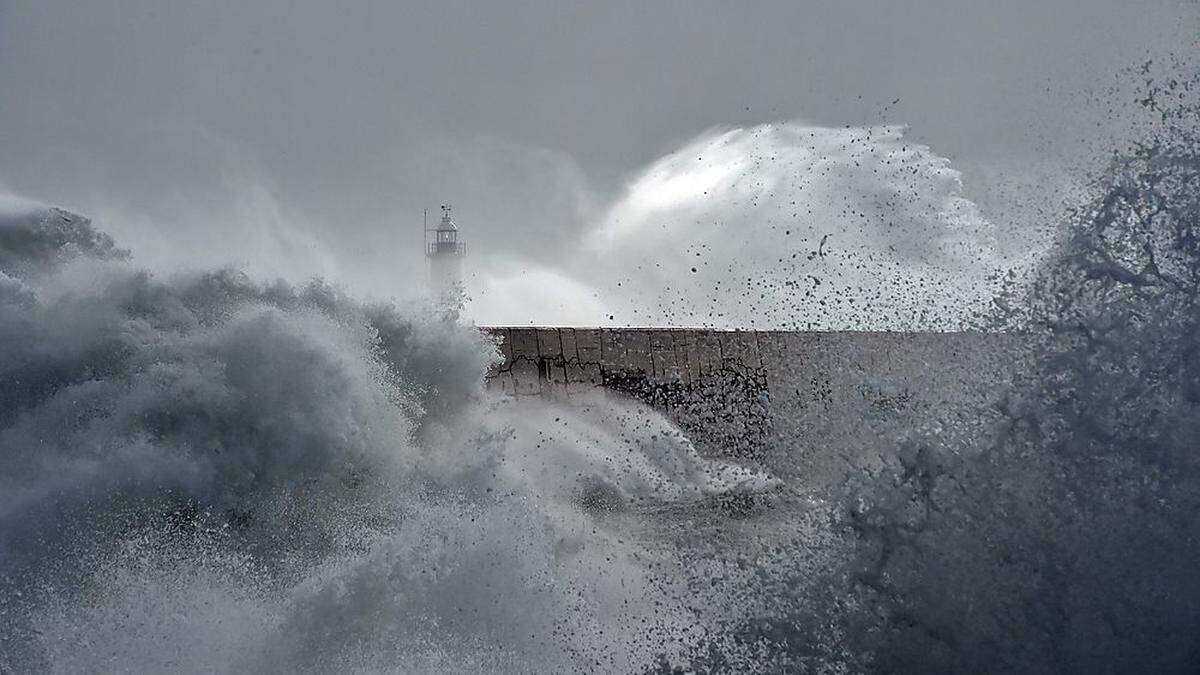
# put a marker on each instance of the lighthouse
(445, 254)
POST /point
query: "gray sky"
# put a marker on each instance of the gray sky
(305, 137)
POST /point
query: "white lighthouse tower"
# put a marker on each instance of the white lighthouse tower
(445, 254)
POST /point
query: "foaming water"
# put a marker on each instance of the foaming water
(1064, 540)
(203, 473)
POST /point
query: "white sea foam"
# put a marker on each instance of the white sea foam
(207, 473)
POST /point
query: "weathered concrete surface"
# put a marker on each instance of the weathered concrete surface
(807, 402)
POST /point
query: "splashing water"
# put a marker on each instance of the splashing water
(1064, 540)
(209, 474)
(204, 473)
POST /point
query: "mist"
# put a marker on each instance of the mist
(292, 140)
(238, 435)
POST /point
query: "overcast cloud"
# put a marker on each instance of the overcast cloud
(305, 138)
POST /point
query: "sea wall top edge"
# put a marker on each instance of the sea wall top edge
(681, 329)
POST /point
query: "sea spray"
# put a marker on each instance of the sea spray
(1054, 530)
(1066, 539)
(207, 473)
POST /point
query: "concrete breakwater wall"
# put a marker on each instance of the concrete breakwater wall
(813, 401)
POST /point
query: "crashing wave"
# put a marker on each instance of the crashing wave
(208, 473)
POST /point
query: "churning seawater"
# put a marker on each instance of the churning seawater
(205, 474)
(208, 474)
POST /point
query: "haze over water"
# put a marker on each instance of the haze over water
(233, 438)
